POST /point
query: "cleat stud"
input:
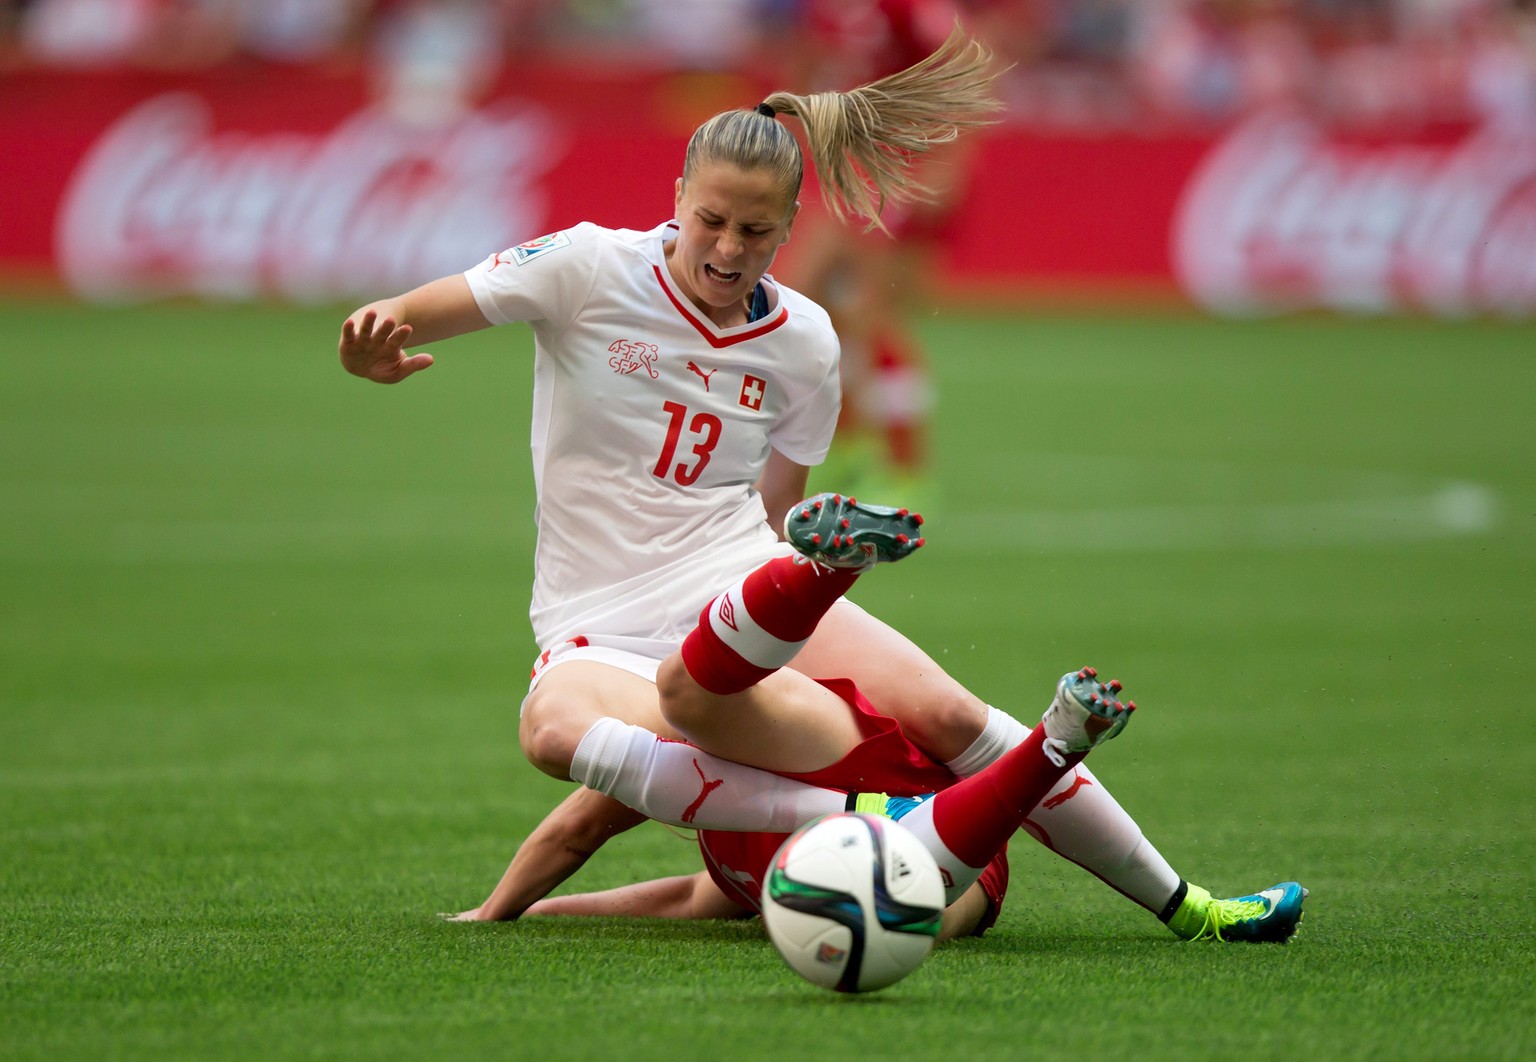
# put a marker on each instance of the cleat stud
(901, 512)
(805, 514)
(837, 499)
(920, 542)
(1115, 686)
(847, 523)
(902, 540)
(1090, 672)
(852, 500)
(817, 506)
(815, 540)
(1130, 706)
(917, 519)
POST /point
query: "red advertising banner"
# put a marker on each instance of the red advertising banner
(246, 185)
(1279, 216)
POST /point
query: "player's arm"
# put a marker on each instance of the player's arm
(694, 896)
(555, 850)
(374, 338)
(782, 484)
(963, 916)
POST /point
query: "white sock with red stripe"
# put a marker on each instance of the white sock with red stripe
(970, 822)
(1081, 821)
(758, 625)
(673, 782)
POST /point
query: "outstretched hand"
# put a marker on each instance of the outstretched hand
(374, 348)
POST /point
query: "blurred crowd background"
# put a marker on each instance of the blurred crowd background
(1076, 63)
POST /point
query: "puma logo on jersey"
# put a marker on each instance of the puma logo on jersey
(630, 355)
(701, 374)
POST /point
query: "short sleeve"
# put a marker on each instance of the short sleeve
(548, 279)
(804, 433)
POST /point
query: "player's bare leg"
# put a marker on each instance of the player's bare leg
(724, 687)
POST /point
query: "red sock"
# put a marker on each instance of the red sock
(758, 626)
(976, 817)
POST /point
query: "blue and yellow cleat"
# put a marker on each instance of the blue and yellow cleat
(841, 532)
(890, 807)
(1269, 916)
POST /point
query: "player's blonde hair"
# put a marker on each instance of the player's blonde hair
(862, 141)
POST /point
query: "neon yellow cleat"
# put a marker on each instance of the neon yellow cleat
(1270, 916)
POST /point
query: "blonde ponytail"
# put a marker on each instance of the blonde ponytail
(862, 141)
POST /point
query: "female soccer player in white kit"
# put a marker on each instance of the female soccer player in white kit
(680, 397)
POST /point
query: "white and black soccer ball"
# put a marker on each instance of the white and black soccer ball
(853, 902)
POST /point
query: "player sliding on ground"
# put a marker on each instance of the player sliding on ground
(744, 636)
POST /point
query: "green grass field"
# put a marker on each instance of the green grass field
(263, 637)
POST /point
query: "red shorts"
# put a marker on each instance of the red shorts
(883, 762)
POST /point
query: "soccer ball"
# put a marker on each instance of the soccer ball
(853, 902)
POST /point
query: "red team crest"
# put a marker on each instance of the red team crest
(752, 390)
(630, 354)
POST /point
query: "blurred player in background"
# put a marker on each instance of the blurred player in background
(872, 279)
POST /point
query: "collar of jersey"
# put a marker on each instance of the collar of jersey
(713, 334)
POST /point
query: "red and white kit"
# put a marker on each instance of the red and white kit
(650, 427)
(883, 761)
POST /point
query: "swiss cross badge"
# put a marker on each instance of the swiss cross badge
(752, 390)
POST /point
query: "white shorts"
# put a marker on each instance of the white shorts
(663, 603)
(638, 656)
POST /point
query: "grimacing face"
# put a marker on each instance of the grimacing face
(731, 224)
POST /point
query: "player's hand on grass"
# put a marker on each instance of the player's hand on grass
(373, 347)
(476, 914)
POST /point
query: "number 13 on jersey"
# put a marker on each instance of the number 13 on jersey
(703, 427)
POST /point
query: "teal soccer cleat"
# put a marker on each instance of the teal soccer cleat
(841, 532)
(1269, 916)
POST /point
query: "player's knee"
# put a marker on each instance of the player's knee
(948, 721)
(682, 705)
(549, 734)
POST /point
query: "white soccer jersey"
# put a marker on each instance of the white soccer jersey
(650, 426)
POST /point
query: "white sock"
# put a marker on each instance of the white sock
(958, 876)
(1082, 822)
(1001, 733)
(673, 782)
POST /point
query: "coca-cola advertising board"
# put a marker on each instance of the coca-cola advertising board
(299, 188)
(1280, 216)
